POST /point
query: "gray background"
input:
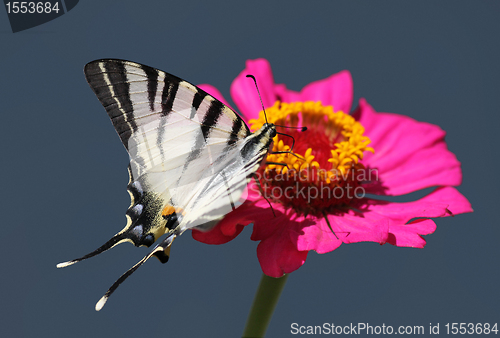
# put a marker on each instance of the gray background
(63, 172)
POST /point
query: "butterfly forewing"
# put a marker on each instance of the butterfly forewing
(135, 95)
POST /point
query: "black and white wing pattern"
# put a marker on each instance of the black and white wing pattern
(191, 156)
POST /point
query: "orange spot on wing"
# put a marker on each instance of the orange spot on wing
(170, 209)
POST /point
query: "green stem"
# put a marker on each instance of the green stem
(263, 306)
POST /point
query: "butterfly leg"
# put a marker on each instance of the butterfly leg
(257, 181)
(278, 163)
(289, 152)
(328, 223)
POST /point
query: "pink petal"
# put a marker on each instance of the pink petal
(456, 202)
(361, 227)
(217, 234)
(278, 253)
(266, 223)
(336, 90)
(408, 235)
(229, 227)
(286, 95)
(245, 94)
(215, 93)
(442, 202)
(409, 155)
(349, 228)
(318, 237)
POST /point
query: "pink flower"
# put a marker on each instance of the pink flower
(404, 156)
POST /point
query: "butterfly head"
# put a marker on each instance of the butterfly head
(272, 129)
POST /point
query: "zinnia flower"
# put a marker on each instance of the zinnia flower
(318, 193)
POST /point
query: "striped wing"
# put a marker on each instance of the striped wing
(223, 192)
(179, 139)
(162, 120)
(190, 155)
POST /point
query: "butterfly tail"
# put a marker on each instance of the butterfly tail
(161, 251)
(115, 240)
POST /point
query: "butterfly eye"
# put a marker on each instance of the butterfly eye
(273, 133)
(148, 240)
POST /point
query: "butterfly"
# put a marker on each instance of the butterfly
(191, 156)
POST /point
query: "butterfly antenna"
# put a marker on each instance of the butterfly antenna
(161, 251)
(301, 128)
(260, 97)
(265, 115)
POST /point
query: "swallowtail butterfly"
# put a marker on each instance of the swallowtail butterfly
(191, 156)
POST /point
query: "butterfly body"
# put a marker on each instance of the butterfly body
(191, 157)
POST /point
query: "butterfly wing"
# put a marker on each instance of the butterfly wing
(226, 190)
(190, 155)
(177, 137)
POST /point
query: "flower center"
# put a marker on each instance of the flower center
(324, 172)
